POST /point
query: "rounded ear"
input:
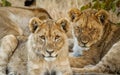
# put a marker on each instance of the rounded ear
(102, 15)
(64, 24)
(74, 14)
(34, 23)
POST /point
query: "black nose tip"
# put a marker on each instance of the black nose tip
(84, 39)
(84, 43)
(50, 52)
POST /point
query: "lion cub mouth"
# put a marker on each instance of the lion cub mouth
(50, 58)
(85, 48)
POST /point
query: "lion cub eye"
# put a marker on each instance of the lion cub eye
(42, 37)
(57, 37)
(77, 27)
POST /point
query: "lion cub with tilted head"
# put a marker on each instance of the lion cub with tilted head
(94, 32)
(48, 48)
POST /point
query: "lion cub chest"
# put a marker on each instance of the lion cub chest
(52, 73)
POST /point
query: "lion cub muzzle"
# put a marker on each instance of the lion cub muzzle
(50, 56)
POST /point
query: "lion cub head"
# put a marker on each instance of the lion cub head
(89, 25)
(48, 39)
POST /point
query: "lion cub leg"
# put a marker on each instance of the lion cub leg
(65, 69)
(69, 72)
(8, 45)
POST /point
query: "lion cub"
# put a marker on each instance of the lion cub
(45, 52)
(48, 48)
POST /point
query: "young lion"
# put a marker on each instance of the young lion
(110, 63)
(93, 31)
(46, 52)
(48, 48)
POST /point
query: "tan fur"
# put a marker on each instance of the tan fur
(17, 63)
(14, 20)
(110, 63)
(95, 31)
(8, 45)
(47, 38)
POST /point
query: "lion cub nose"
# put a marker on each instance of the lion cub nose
(85, 40)
(49, 51)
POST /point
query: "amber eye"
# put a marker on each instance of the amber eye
(57, 37)
(93, 30)
(42, 37)
(77, 27)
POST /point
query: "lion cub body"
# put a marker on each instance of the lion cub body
(14, 20)
(94, 31)
(109, 63)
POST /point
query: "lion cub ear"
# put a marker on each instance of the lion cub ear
(64, 24)
(34, 23)
(102, 15)
(74, 14)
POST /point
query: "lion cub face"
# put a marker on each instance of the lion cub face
(49, 37)
(88, 25)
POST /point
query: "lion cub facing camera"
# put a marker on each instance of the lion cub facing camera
(44, 53)
(48, 48)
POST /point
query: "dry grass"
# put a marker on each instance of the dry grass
(16, 2)
(59, 8)
(56, 8)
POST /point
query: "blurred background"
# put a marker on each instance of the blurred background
(59, 8)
